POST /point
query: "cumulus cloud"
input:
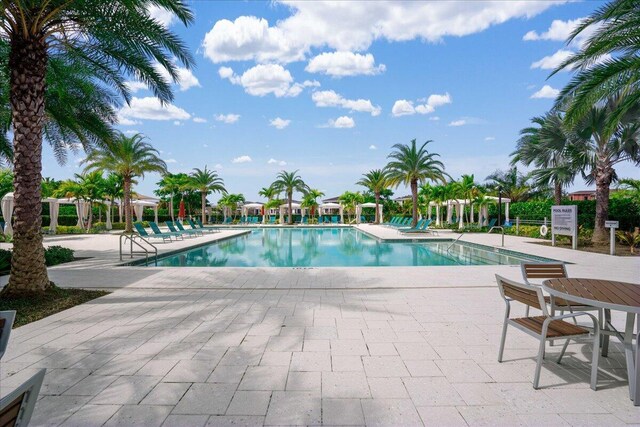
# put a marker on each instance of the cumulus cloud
(273, 161)
(403, 107)
(546, 92)
(171, 161)
(373, 147)
(150, 108)
(185, 78)
(162, 15)
(340, 64)
(353, 26)
(227, 118)
(279, 123)
(552, 62)
(559, 30)
(265, 79)
(329, 98)
(242, 159)
(490, 138)
(199, 120)
(457, 123)
(342, 122)
(135, 86)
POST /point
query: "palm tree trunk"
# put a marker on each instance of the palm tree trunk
(377, 194)
(27, 65)
(203, 201)
(603, 182)
(557, 193)
(127, 205)
(289, 197)
(90, 215)
(414, 198)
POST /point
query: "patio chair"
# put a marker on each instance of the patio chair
(6, 323)
(143, 233)
(181, 229)
(156, 230)
(418, 226)
(172, 228)
(202, 227)
(334, 219)
(424, 229)
(16, 407)
(492, 223)
(272, 219)
(544, 328)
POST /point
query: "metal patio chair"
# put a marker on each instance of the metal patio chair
(6, 323)
(16, 408)
(544, 328)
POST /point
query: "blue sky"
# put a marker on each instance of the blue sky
(329, 88)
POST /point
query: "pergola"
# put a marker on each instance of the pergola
(139, 205)
(457, 206)
(330, 206)
(294, 205)
(367, 205)
(245, 208)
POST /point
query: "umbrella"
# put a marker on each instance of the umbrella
(313, 210)
(181, 214)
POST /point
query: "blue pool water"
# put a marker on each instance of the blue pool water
(332, 247)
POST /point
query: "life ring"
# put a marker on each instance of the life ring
(544, 230)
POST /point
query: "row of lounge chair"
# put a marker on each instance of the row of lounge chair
(176, 230)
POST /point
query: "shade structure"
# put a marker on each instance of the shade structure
(7, 213)
(246, 207)
(108, 224)
(367, 205)
(54, 208)
(285, 207)
(139, 205)
(329, 206)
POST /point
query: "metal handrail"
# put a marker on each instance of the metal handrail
(501, 229)
(131, 238)
(454, 242)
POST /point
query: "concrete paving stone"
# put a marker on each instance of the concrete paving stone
(91, 416)
(125, 364)
(390, 412)
(285, 342)
(249, 403)
(345, 385)
(242, 357)
(185, 421)
(320, 333)
(211, 353)
(157, 367)
(179, 351)
(534, 420)
(423, 368)
(487, 416)
(432, 391)
(62, 359)
(346, 363)
(463, 371)
(150, 347)
(264, 378)
(166, 394)
(91, 385)
(449, 416)
(126, 391)
(235, 420)
(343, 412)
(53, 410)
(478, 394)
(189, 371)
(385, 366)
(57, 381)
(349, 348)
(139, 415)
(304, 381)
(310, 361)
(387, 388)
(276, 358)
(416, 351)
(231, 374)
(294, 408)
(316, 345)
(205, 399)
(382, 349)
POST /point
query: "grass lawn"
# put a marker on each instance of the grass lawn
(30, 309)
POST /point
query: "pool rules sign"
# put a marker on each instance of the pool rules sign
(564, 222)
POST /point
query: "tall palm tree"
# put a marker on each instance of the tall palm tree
(467, 189)
(169, 185)
(129, 157)
(93, 185)
(112, 40)
(206, 181)
(608, 62)
(310, 200)
(512, 184)
(288, 182)
(376, 181)
(544, 145)
(349, 200)
(114, 190)
(412, 165)
(632, 186)
(269, 192)
(231, 202)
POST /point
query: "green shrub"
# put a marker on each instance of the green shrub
(55, 255)
(5, 260)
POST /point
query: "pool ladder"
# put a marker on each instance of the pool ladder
(454, 242)
(124, 237)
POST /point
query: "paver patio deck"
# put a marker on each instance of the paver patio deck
(333, 346)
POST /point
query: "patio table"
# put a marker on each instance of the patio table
(608, 295)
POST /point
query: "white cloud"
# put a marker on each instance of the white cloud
(339, 64)
(273, 161)
(460, 122)
(177, 123)
(546, 92)
(342, 122)
(373, 147)
(279, 123)
(131, 132)
(161, 15)
(329, 98)
(264, 79)
(242, 159)
(560, 31)
(171, 161)
(353, 26)
(434, 118)
(552, 62)
(227, 118)
(185, 78)
(199, 120)
(123, 121)
(135, 86)
(490, 138)
(150, 108)
(403, 107)
(218, 166)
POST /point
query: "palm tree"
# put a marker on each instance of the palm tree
(170, 185)
(206, 181)
(632, 186)
(114, 189)
(93, 184)
(129, 157)
(544, 145)
(511, 183)
(269, 192)
(109, 41)
(467, 189)
(288, 182)
(376, 181)
(310, 200)
(608, 62)
(349, 200)
(411, 166)
(231, 202)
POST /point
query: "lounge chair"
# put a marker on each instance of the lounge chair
(143, 233)
(391, 221)
(305, 220)
(156, 230)
(492, 223)
(544, 328)
(404, 222)
(334, 219)
(228, 220)
(202, 228)
(172, 228)
(424, 229)
(272, 219)
(16, 408)
(418, 225)
(6, 323)
(184, 230)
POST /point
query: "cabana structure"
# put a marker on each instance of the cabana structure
(139, 205)
(295, 205)
(367, 205)
(329, 206)
(253, 208)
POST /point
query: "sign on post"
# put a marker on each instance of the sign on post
(564, 222)
(612, 225)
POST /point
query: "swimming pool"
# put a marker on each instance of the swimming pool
(334, 247)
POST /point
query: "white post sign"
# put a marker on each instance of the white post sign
(564, 222)
(612, 225)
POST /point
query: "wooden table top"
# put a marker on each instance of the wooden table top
(596, 292)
